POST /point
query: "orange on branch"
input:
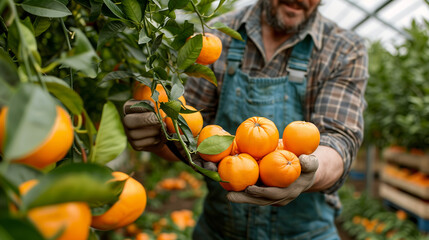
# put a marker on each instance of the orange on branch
(72, 218)
(143, 92)
(279, 168)
(53, 148)
(211, 50)
(212, 130)
(194, 121)
(239, 171)
(257, 136)
(130, 205)
(301, 137)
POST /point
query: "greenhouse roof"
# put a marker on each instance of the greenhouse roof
(382, 20)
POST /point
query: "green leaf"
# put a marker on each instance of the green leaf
(132, 10)
(13, 228)
(157, 42)
(30, 118)
(115, 75)
(41, 24)
(144, 105)
(95, 11)
(225, 29)
(143, 38)
(109, 31)
(111, 140)
(215, 144)
(162, 74)
(177, 4)
(186, 31)
(190, 52)
(46, 8)
(198, 70)
(82, 57)
(71, 100)
(177, 90)
(172, 108)
(115, 9)
(19, 173)
(72, 182)
(8, 77)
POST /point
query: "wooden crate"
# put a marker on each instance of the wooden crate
(420, 162)
(418, 190)
(404, 200)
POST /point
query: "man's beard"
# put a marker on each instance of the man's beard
(274, 19)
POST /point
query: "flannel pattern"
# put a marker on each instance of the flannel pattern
(337, 79)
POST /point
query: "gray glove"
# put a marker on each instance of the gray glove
(279, 196)
(142, 127)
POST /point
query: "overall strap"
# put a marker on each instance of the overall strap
(299, 60)
(237, 47)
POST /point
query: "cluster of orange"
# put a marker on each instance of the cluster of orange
(181, 218)
(180, 183)
(75, 218)
(257, 152)
(377, 226)
(406, 174)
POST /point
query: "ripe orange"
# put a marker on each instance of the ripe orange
(212, 130)
(183, 218)
(194, 121)
(142, 236)
(131, 204)
(211, 50)
(53, 148)
(167, 236)
(301, 137)
(279, 168)
(73, 218)
(239, 171)
(257, 136)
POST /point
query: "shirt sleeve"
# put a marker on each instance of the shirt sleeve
(202, 95)
(338, 110)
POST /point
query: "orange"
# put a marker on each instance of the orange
(194, 121)
(212, 130)
(142, 236)
(279, 168)
(167, 236)
(301, 137)
(257, 136)
(211, 50)
(73, 218)
(130, 205)
(239, 171)
(183, 218)
(53, 148)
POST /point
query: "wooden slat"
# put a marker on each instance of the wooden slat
(404, 200)
(409, 160)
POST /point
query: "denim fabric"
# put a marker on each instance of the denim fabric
(281, 100)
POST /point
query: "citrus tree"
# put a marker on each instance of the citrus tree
(66, 67)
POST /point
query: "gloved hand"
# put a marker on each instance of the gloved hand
(142, 127)
(279, 196)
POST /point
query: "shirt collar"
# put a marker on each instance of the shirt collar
(252, 21)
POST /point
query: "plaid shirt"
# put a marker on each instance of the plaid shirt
(337, 78)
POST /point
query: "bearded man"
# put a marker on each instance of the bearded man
(293, 65)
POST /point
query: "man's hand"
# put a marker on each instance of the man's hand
(142, 127)
(279, 196)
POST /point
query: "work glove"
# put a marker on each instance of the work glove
(142, 127)
(279, 196)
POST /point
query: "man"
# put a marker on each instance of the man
(292, 65)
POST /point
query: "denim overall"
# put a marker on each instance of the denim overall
(280, 99)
